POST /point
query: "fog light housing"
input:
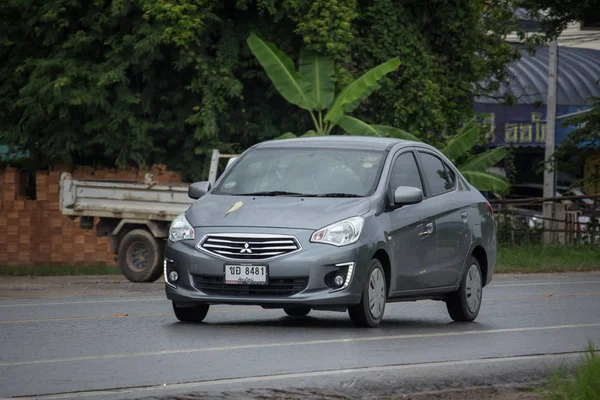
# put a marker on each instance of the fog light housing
(169, 268)
(338, 280)
(173, 276)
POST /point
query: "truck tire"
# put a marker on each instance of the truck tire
(140, 256)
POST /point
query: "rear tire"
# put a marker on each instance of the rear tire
(140, 256)
(297, 311)
(464, 304)
(369, 312)
(194, 314)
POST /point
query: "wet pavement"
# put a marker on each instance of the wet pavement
(103, 337)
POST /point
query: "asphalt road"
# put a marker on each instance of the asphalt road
(127, 343)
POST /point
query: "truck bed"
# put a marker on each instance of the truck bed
(110, 199)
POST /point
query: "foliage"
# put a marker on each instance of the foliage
(313, 90)
(582, 383)
(555, 15)
(535, 258)
(147, 81)
(474, 167)
(451, 52)
(580, 145)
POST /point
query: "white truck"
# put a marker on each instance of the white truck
(135, 216)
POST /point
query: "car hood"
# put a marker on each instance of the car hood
(273, 211)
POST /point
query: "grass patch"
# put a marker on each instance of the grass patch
(550, 258)
(58, 270)
(581, 384)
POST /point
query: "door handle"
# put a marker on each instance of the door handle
(428, 230)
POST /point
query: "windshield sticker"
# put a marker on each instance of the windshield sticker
(229, 185)
(234, 207)
(367, 165)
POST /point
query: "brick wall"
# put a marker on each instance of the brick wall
(35, 232)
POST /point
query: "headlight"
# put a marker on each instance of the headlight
(341, 233)
(180, 229)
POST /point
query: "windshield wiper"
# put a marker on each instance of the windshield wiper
(336, 195)
(272, 193)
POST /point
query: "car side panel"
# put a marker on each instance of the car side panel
(454, 237)
(412, 246)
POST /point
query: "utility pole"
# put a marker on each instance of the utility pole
(550, 176)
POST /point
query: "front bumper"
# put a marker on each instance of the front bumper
(311, 264)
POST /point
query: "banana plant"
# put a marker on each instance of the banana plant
(475, 168)
(312, 89)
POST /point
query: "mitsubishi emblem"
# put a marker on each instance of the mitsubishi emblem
(246, 249)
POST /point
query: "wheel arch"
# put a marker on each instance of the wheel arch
(481, 256)
(384, 258)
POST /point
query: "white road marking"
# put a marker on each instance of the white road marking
(543, 283)
(301, 375)
(299, 343)
(125, 300)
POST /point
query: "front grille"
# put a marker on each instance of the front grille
(249, 247)
(277, 287)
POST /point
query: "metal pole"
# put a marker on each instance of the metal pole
(214, 166)
(594, 219)
(550, 176)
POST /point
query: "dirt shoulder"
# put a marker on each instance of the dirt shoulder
(14, 287)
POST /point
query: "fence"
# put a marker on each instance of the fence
(574, 220)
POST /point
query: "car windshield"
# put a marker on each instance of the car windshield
(303, 172)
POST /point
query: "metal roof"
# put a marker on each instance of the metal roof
(578, 73)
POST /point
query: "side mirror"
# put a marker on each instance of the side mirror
(198, 189)
(405, 195)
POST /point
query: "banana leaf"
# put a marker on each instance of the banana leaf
(280, 69)
(464, 140)
(318, 70)
(396, 133)
(287, 135)
(356, 90)
(481, 162)
(487, 181)
(355, 126)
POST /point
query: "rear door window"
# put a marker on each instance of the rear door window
(439, 176)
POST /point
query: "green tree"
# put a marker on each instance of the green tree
(556, 15)
(474, 167)
(312, 89)
(580, 145)
(144, 81)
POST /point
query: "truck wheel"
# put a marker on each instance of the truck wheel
(140, 256)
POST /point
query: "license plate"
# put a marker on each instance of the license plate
(246, 274)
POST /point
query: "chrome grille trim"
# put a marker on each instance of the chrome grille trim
(260, 247)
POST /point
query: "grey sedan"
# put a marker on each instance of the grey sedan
(333, 223)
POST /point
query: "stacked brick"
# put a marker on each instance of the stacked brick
(35, 232)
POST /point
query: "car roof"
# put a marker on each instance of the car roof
(345, 142)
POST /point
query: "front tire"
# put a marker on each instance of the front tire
(369, 312)
(464, 304)
(193, 314)
(297, 311)
(140, 256)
